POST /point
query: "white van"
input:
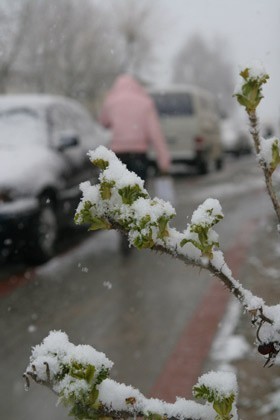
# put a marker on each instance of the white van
(191, 124)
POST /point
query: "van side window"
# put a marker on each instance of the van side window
(173, 104)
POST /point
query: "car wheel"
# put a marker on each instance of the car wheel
(44, 236)
(219, 164)
(202, 166)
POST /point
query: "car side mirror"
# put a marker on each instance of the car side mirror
(67, 141)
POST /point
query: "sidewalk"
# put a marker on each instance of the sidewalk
(259, 387)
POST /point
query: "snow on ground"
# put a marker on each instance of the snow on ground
(229, 189)
(227, 346)
(97, 243)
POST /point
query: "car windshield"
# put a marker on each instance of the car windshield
(20, 128)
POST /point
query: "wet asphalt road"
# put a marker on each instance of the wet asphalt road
(132, 309)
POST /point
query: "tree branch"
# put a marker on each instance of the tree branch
(78, 375)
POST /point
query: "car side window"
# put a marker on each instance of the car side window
(62, 122)
(73, 119)
(86, 127)
(82, 122)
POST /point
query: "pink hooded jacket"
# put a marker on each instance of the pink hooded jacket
(132, 116)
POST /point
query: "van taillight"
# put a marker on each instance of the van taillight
(199, 141)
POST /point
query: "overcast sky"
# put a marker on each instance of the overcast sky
(252, 28)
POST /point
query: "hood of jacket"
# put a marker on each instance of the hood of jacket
(127, 84)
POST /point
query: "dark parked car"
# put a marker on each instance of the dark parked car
(44, 142)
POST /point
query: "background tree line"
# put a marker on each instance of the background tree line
(77, 48)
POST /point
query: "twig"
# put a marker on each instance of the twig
(267, 173)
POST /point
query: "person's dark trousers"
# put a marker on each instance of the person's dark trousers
(136, 162)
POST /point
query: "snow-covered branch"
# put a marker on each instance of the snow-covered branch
(249, 95)
(79, 375)
(121, 202)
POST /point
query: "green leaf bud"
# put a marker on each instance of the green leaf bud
(131, 193)
(250, 94)
(105, 189)
(100, 163)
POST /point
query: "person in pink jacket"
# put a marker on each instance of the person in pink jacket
(131, 115)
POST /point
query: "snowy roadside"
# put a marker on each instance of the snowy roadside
(233, 348)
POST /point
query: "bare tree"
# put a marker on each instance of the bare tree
(76, 48)
(13, 25)
(207, 67)
(136, 22)
(67, 48)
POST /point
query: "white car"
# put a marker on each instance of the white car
(44, 142)
(236, 139)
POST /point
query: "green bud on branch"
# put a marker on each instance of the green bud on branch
(250, 94)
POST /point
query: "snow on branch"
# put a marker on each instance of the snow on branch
(79, 375)
(249, 94)
(121, 202)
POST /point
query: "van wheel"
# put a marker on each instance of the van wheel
(202, 166)
(219, 164)
(43, 239)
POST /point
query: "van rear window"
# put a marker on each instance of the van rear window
(173, 104)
